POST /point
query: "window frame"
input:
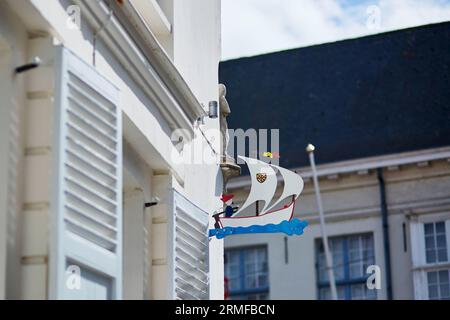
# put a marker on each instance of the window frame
(243, 291)
(347, 282)
(420, 267)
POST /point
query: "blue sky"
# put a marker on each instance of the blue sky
(251, 27)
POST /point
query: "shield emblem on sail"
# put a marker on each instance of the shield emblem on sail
(261, 177)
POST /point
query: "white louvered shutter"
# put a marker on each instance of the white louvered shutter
(190, 251)
(87, 195)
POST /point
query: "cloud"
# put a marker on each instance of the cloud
(251, 27)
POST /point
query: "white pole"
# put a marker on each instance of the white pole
(329, 261)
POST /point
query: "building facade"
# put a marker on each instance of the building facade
(376, 108)
(416, 185)
(101, 104)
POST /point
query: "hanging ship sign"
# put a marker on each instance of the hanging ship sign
(271, 219)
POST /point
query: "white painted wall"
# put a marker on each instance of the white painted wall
(138, 231)
(12, 117)
(197, 45)
(196, 53)
(4, 58)
(197, 49)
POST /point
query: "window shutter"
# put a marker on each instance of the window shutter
(87, 196)
(190, 250)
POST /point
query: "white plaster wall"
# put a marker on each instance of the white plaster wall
(12, 115)
(4, 59)
(196, 46)
(133, 242)
(38, 168)
(137, 252)
(167, 40)
(159, 237)
(196, 28)
(401, 260)
(196, 32)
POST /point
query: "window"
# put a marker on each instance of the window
(431, 264)
(438, 285)
(435, 242)
(351, 257)
(247, 273)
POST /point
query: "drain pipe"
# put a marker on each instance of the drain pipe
(386, 240)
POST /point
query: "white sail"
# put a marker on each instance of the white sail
(259, 191)
(293, 186)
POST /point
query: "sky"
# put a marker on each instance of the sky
(253, 27)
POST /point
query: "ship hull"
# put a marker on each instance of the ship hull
(273, 217)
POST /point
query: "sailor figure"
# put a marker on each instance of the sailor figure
(228, 201)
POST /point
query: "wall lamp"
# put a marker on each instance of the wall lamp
(212, 113)
(213, 109)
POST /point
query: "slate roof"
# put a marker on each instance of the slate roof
(376, 95)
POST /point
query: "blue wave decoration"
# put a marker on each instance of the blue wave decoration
(293, 227)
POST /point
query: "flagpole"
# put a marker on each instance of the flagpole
(329, 261)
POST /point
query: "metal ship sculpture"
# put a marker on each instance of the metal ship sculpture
(271, 219)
